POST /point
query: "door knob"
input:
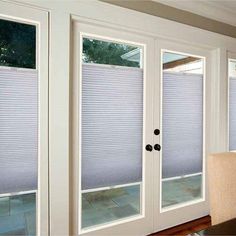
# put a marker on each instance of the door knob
(157, 147)
(156, 131)
(149, 147)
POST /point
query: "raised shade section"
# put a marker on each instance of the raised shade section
(18, 130)
(232, 113)
(182, 124)
(112, 120)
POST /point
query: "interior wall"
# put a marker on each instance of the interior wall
(181, 16)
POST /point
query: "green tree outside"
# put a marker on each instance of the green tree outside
(18, 48)
(101, 52)
(17, 44)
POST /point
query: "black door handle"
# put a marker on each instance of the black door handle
(157, 147)
(149, 147)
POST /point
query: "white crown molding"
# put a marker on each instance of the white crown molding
(213, 9)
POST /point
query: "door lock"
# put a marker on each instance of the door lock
(156, 131)
(149, 147)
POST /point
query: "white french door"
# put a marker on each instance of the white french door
(23, 120)
(139, 128)
(112, 113)
(181, 112)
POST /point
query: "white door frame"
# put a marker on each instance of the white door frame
(39, 18)
(137, 225)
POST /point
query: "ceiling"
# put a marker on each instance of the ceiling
(228, 4)
(220, 10)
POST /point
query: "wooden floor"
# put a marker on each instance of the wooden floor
(187, 228)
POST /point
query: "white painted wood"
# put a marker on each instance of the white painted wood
(222, 132)
(140, 224)
(174, 215)
(30, 15)
(59, 122)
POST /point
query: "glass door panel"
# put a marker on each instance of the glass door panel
(232, 104)
(111, 132)
(18, 128)
(182, 127)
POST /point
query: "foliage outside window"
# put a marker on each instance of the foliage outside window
(17, 44)
(101, 52)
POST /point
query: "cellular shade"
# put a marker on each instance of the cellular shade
(112, 120)
(232, 113)
(18, 130)
(182, 124)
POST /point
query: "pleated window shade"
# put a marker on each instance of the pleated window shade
(232, 113)
(112, 122)
(182, 141)
(18, 130)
